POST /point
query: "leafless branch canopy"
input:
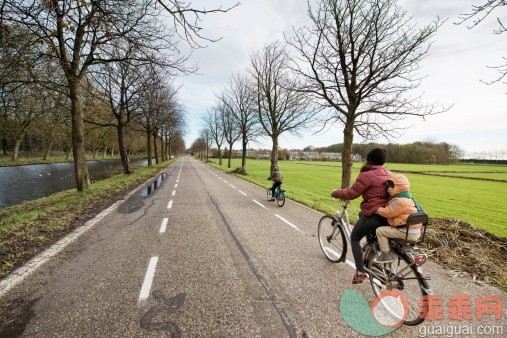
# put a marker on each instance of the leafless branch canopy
(480, 12)
(187, 19)
(361, 60)
(280, 104)
(476, 16)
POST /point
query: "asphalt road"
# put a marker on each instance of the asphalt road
(206, 255)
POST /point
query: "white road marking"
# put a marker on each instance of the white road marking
(176, 185)
(164, 225)
(232, 186)
(262, 205)
(241, 192)
(148, 279)
(174, 193)
(170, 204)
(289, 223)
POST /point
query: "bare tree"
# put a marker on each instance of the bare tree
(77, 33)
(281, 106)
(22, 73)
(476, 16)
(360, 59)
(240, 99)
(229, 126)
(214, 125)
(174, 129)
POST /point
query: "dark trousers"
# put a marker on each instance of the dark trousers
(275, 185)
(363, 226)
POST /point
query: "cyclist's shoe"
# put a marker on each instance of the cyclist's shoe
(385, 257)
(358, 277)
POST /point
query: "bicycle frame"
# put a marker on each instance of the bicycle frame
(343, 217)
(403, 273)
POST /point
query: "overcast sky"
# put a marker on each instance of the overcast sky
(458, 60)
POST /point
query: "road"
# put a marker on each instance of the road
(206, 255)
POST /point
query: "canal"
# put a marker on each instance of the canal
(29, 182)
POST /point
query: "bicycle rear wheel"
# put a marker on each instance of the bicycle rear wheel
(280, 198)
(403, 276)
(332, 239)
(270, 194)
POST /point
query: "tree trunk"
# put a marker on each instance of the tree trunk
(4, 146)
(47, 151)
(155, 148)
(274, 153)
(78, 138)
(15, 151)
(148, 141)
(348, 138)
(243, 155)
(219, 156)
(122, 149)
(230, 156)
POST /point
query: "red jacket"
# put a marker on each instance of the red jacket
(371, 185)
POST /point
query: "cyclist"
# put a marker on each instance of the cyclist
(277, 178)
(371, 185)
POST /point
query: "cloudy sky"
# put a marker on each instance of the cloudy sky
(458, 60)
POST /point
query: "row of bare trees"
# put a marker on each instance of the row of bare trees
(113, 50)
(356, 65)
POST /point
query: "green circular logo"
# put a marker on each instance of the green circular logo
(385, 315)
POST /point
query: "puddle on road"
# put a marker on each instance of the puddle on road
(153, 186)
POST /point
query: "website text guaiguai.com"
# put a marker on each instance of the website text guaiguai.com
(461, 330)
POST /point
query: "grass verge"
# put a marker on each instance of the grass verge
(28, 228)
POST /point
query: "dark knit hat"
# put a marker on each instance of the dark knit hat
(376, 156)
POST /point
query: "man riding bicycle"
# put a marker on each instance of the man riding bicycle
(277, 178)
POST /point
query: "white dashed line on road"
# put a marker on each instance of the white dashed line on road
(174, 193)
(148, 279)
(163, 226)
(289, 223)
(262, 205)
(241, 192)
(170, 204)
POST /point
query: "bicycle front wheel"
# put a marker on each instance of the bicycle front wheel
(280, 198)
(404, 276)
(332, 239)
(270, 194)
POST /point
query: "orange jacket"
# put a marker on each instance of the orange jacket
(398, 209)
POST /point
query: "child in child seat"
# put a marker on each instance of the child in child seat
(399, 206)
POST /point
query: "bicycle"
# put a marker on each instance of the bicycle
(279, 196)
(403, 273)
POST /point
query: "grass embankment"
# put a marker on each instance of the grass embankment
(28, 228)
(465, 202)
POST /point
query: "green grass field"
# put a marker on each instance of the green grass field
(469, 197)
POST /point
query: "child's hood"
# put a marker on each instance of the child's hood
(401, 183)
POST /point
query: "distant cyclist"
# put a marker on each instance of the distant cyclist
(277, 178)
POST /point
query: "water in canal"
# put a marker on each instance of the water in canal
(29, 182)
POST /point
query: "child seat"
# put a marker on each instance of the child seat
(416, 218)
